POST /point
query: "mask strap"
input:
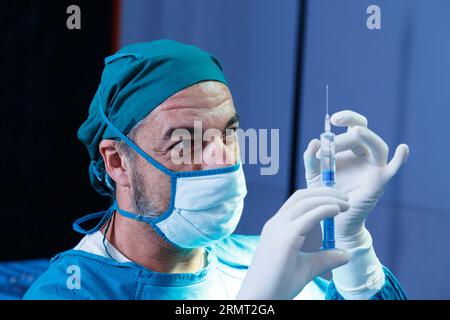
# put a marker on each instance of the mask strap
(104, 215)
(152, 221)
(130, 215)
(130, 143)
(104, 236)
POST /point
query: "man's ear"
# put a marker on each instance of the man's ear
(116, 164)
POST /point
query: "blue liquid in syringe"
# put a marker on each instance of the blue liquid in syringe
(328, 224)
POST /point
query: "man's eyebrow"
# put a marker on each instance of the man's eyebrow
(168, 134)
(235, 118)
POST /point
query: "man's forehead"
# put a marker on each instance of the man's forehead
(209, 102)
(199, 100)
(207, 94)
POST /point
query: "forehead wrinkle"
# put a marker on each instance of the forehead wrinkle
(201, 95)
(193, 110)
(194, 103)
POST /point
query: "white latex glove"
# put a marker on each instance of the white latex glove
(279, 269)
(362, 172)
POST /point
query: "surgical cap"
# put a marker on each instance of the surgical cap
(136, 80)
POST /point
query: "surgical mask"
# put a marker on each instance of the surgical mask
(205, 206)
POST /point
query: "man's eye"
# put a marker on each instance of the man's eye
(184, 143)
(175, 144)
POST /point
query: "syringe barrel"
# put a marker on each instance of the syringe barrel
(328, 170)
(327, 158)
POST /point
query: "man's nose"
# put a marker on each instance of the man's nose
(218, 155)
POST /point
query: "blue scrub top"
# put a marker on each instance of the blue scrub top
(228, 261)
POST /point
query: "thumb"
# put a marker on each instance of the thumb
(400, 156)
(325, 260)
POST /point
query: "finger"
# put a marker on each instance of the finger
(309, 220)
(348, 118)
(349, 141)
(378, 149)
(399, 158)
(311, 162)
(326, 260)
(307, 205)
(302, 194)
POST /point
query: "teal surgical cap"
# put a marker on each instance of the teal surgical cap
(136, 80)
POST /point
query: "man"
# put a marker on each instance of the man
(169, 233)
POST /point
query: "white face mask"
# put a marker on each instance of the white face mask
(205, 206)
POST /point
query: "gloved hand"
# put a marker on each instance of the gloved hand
(362, 171)
(279, 269)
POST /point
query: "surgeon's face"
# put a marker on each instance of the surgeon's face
(205, 109)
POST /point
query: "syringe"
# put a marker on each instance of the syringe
(328, 170)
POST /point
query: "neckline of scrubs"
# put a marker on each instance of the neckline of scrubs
(148, 276)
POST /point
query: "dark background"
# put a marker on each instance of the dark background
(49, 75)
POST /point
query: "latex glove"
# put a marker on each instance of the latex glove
(279, 269)
(362, 172)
